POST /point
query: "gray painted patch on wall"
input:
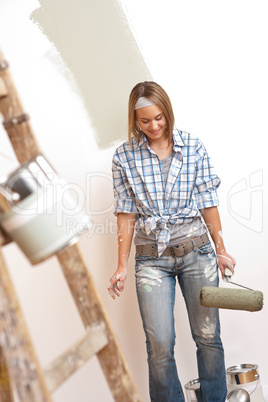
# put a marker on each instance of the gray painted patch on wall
(97, 45)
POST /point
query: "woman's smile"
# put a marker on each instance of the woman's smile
(152, 122)
(155, 132)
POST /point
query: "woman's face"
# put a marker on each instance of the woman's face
(152, 122)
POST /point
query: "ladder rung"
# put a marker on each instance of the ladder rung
(75, 357)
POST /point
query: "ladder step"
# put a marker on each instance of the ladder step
(75, 357)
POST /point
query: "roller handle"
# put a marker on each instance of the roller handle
(227, 278)
(227, 275)
(227, 272)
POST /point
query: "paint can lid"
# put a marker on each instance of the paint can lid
(192, 385)
(242, 374)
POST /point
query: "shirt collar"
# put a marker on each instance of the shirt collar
(142, 140)
(178, 141)
(138, 143)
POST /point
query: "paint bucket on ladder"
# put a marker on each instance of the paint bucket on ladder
(243, 383)
(40, 211)
(192, 388)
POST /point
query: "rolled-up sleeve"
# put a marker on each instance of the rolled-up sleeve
(124, 199)
(207, 181)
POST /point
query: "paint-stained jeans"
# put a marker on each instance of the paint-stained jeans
(155, 283)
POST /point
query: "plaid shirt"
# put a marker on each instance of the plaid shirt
(139, 186)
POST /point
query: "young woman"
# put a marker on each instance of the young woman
(165, 186)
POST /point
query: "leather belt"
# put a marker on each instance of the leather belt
(174, 251)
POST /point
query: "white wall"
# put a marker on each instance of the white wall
(211, 58)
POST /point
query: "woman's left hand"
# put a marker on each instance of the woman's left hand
(225, 260)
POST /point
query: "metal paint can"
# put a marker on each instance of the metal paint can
(192, 388)
(244, 377)
(43, 215)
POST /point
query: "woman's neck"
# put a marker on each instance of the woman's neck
(162, 148)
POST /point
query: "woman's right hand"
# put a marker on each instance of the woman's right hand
(225, 260)
(117, 282)
(125, 229)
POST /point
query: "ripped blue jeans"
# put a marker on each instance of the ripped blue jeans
(155, 285)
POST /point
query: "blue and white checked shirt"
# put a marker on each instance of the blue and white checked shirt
(139, 186)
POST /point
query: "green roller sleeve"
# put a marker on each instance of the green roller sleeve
(233, 299)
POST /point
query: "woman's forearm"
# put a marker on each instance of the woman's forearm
(212, 219)
(125, 230)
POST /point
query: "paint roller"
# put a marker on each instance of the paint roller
(233, 299)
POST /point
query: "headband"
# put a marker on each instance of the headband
(143, 102)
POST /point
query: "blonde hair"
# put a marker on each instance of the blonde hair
(156, 94)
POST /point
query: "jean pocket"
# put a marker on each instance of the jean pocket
(206, 248)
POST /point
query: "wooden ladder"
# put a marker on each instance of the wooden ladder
(20, 372)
